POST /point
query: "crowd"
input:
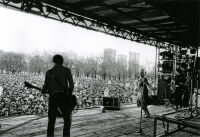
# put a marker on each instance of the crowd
(19, 100)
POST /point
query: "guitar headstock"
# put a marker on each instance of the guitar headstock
(28, 85)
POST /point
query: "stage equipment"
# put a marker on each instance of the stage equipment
(49, 9)
(167, 78)
(166, 55)
(180, 118)
(111, 103)
(192, 51)
(198, 64)
(52, 10)
(183, 52)
(156, 100)
(164, 91)
(167, 66)
(15, 1)
(194, 84)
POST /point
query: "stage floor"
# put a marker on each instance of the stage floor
(92, 123)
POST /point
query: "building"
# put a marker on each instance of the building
(109, 55)
(133, 64)
(122, 59)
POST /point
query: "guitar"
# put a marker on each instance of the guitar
(28, 85)
(72, 99)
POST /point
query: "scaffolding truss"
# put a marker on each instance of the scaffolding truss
(63, 15)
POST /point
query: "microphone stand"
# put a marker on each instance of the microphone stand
(197, 93)
(140, 128)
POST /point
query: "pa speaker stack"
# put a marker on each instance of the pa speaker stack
(111, 103)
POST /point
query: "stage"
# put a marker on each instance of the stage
(94, 123)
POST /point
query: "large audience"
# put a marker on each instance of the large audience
(17, 99)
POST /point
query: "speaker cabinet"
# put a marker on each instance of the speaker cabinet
(111, 103)
(156, 100)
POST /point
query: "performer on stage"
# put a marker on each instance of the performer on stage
(57, 96)
(180, 87)
(143, 90)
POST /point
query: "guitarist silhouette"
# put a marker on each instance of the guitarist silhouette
(59, 85)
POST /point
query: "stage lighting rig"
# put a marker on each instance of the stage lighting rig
(51, 10)
(167, 66)
(166, 55)
(30, 5)
(193, 51)
(15, 1)
(66, 14)
(183, 52)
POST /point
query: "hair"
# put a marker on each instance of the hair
(58, 59)
(142, 70)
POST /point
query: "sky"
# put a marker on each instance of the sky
(27, 33)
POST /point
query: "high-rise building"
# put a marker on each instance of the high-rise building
(109, 62)
(122, 59)
(121, 66)
(110, 55)
(133, 63)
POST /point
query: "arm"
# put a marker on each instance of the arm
(71, 82)
(148, 85)
(45, 86)
(136, 86)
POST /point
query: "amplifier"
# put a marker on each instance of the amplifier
(156, 100)
(111, 103)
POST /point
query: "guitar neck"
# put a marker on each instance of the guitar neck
(37, 88)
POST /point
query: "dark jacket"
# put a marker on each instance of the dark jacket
(63, 75)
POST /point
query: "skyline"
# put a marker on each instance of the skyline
(27, 33)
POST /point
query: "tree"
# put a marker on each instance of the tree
(47, 58)
(13, 62)
(36, 63)
(1, 61)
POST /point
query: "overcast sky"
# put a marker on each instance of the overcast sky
(22, 32)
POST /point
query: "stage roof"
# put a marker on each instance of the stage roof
(153, 22)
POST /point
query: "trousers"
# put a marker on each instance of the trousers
(58, 102)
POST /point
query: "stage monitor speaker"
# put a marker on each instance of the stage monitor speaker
(111, 103)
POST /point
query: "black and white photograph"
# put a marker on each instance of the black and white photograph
(99, 68)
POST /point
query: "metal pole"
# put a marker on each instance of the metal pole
(156, 64)
(140, 130)
(197, 83)
(191, 88)
(196, 105)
